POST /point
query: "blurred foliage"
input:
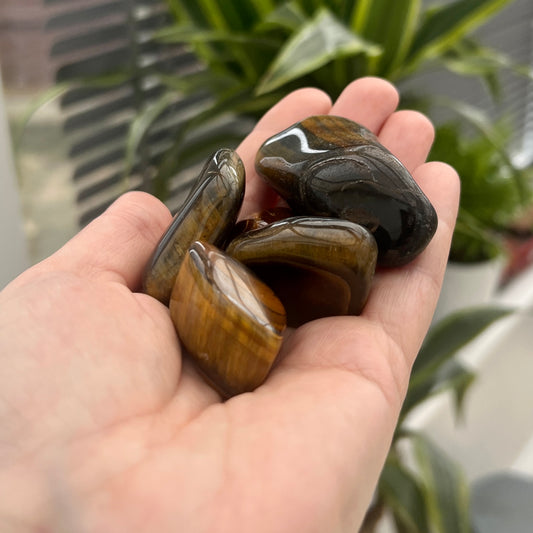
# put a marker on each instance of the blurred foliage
(267, 45)
(254, 52)
(494, 191)
(424, 489)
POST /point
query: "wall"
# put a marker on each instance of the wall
(24, 45)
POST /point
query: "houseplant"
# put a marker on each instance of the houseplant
(494, 192)
(426, 490)
(248, 55)
(255, 52)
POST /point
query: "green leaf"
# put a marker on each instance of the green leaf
(318, 42)
(472, 240)
(452, 333)
(448, 23)
(454, 376)
(262, 7)
(497, 146)
(220, 15)
(361, 15)
(58, 90)
(435, 370)
(192, 34)
(289, 16)
(200, 81)
(450, 375)
(187, 12)
(445, 487)
(401, 491)
(391, 25)
(41, 100)
(141, 125)
(222, 34)
(470, 58)
(202, 121)
(231, 14)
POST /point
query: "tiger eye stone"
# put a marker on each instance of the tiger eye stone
(333, 167)
(209, 213)
(228, 320)
(261, 219)
(317, 266)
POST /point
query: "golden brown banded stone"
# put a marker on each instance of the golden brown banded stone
(316, 266)
(229, 321)
(209, 213)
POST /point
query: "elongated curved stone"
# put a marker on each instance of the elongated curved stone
(208, 214)
(332, 166)
(316, 266)
(229, 321)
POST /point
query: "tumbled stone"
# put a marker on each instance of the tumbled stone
(209, 214)
(333, 167)
(229, 321)
(317, 266)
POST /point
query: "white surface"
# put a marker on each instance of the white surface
(468, 284)
(497, 429)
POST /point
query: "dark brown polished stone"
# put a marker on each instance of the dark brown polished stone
(333, 167)
(208, 214)
(316, 266)
(228, 320)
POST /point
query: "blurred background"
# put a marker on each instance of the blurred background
(102, 96)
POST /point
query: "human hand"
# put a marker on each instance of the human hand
(105, 428)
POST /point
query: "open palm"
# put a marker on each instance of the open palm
(104, 428)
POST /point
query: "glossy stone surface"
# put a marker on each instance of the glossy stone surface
(229, 321)
(208, 214)
(331, 166)
(316, 266)
(260, 220)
